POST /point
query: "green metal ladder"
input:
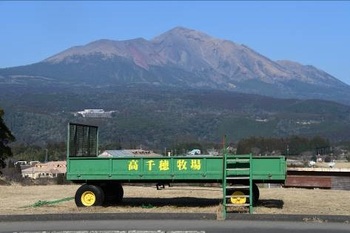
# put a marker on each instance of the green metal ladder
(237, 175)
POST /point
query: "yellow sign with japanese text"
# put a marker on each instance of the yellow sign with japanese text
(163, 165)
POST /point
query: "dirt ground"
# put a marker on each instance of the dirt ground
(17, 199)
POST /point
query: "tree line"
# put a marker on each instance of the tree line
(6, 137)
(290, 146)
(294, 145)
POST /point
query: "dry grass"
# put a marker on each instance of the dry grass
(16, 199)
(337, 165)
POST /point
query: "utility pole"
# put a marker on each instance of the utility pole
(46, 155)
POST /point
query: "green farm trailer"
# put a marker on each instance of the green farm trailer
(102, 177)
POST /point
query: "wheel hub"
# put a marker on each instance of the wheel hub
(88, 198)
(238, 198)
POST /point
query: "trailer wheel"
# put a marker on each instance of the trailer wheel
(114, 192)
(89, 195)
(256, 194)
(237, 196)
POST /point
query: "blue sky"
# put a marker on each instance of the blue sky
(312, 33)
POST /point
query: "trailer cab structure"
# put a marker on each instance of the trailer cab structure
(102, 177)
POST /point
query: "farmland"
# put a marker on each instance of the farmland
(48, 199)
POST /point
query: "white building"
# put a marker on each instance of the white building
(195, 152)
(94, 113)
(127, 153)
(45, 170)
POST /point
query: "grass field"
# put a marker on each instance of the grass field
(17, 199)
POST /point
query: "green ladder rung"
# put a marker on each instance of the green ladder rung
(237, 178)
(229, 196)
(235, 161)
(238, 169)
(236, 205)
(237, 187)
(238, 156)
(237, 173)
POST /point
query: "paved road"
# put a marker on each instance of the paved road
(171, 223)
(172, 226)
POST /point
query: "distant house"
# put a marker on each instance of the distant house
(45, 170)
(94, 113)
(194, 152)
(127, 153)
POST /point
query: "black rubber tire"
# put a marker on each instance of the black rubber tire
(114, 193)
(95, 190)
(256, 194)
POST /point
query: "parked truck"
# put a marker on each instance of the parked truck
(102, 177)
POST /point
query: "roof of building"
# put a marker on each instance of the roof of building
(49, 167)
(128, 153)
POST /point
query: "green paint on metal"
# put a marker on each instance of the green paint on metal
(83, 164)
(265, 169)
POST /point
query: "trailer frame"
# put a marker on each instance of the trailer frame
(102, 177)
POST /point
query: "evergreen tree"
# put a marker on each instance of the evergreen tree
(5, 138)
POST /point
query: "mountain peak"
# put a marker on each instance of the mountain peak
(185, 57)
(181, 32)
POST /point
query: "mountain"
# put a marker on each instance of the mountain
(183, 58)
(182, 86)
